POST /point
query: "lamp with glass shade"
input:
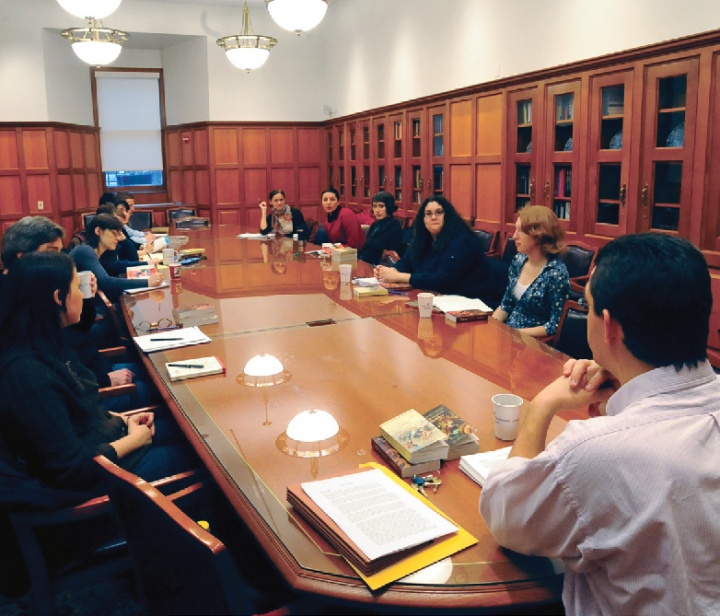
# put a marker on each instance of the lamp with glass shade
(247, 51)
(263, 371)
(95, 45)
(297, 15)
(86, 9)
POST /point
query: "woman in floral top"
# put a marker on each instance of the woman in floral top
(538, 280)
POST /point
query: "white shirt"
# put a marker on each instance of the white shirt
(136, 236)
(630, 501)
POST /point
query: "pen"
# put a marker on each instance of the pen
(396, 292)
(186, 365)
(163, 339)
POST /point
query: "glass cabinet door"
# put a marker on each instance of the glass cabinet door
(436, 184)
(609, 153)
(670, 108)
(379, 135)
(522, 112)
(417, 163)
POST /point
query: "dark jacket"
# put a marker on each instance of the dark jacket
(461, 268)
(298, 221)
(385, 234)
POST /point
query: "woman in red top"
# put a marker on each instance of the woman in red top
(342, 224)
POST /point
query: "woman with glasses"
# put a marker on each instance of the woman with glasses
(104, 232)
(445, 256)
(539, 281)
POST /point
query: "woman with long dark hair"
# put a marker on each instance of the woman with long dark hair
(342, 225)
(445, 256)
(50, 414)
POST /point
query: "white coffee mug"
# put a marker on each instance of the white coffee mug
(425, 304)
(85, 280)
(170, 256)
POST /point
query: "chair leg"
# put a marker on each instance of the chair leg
(41, 596)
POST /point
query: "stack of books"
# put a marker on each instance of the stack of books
(343, 254)
(200, 314)
(459, 436)
(415, 438)
(399, 465)
(369, 291)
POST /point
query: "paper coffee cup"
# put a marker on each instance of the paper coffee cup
(506, 409)
(174, 271)
(85, 279)
(345, 272)
(425, 304)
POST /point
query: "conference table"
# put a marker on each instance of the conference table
(363, 361)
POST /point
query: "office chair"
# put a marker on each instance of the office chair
(86, 218)
(578, 259)
(487, 238)
(571, 335)
(181, 567)
(140, 221)
(509, 250)
(180, 212)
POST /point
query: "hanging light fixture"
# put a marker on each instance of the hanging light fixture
(297, 15)
(90, 8)
(247, 51)
(94, 45)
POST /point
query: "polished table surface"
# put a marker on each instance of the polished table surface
(364, 362)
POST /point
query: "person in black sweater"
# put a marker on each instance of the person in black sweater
(50, 416)
(445, 256)
(385, 233)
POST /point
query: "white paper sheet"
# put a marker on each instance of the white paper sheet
(376, 514)
(174, 339)
(446, 303)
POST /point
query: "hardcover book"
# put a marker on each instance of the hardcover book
(459, 436)
(415, 438)
(190, 368)
(397, 463)
(462, 316)
(478, 465)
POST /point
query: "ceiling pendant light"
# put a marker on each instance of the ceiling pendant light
(297, 15)
(247, 51)
(96, 46)
(86, 9)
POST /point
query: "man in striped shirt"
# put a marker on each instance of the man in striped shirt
(630, 500)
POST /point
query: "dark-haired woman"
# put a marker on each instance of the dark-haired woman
(539, 281)
(445, 256)
(385, 233)
(49, 411)
(283, 220)
(104, 232)
(342, 225)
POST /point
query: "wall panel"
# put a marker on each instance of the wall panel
(10, 196)
(226, 149)
(255, 182)
(281, 145)
(461, 128)
(38, 189)
(227, 186)
(488, 192)
(460, 189)
(254, 151)
(490, 124)
(9, 151)
(35, 149)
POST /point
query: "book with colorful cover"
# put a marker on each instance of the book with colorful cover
(459, 435)
(397, 463)
(135, 272)
(463, 316)
(415, 438)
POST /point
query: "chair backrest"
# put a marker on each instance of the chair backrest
(181, 568)
(578, 259)
(87, 218)
(487, 238)
(509, 250)
(140, 221)
(571, 336)
(180, 212)
(191, 222)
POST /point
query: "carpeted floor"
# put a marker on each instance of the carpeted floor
(115, 596)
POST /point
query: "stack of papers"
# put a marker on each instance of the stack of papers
(478, 465)
(448, 303)
(171, 340)
(255, 236)
(164, 283)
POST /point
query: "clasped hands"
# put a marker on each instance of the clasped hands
(385, 274)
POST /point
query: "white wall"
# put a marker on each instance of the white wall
(366, 54)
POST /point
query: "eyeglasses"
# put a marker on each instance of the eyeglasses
(431, 213)
(150, 326)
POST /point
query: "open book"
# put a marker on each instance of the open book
(197, 366)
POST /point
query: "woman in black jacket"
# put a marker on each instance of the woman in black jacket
(385, 233)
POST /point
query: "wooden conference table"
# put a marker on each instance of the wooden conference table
(363, 361)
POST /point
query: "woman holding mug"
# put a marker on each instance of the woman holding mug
(283, 220)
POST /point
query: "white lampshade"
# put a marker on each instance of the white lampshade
(312, 426)
(247, 58)
(263, 366)
(297, 15)
(90, 8)
(97, 53)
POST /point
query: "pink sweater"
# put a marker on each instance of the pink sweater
(345, 229)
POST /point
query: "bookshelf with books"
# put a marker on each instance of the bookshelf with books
(522, 161)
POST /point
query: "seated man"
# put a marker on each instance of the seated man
(629, 501)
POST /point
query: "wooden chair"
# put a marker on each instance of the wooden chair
(571, 335)
(123, 336)
(181, 567)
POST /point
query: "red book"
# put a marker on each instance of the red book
(461, 316)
